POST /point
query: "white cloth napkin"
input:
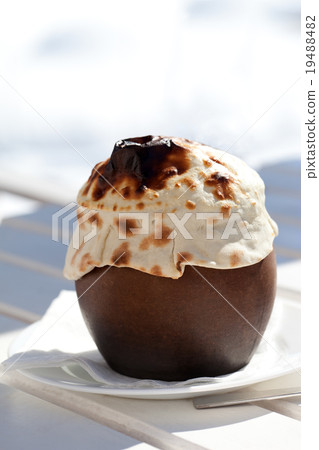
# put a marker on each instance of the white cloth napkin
(61, 339)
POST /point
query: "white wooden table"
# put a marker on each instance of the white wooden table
(37, 416)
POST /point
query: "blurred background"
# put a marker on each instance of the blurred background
(75, 76)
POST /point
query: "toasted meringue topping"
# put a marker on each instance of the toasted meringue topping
(162, 202)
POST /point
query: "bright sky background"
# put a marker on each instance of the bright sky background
(99, 71)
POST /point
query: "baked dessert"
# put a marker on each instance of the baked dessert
(179, 279)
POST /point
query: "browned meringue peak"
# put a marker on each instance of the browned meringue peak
(139, 168)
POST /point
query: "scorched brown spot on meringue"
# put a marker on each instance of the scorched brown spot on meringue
(125, 225)
(223, 185)
(190, 204)
(96, 218)
(189, 183)
(225, 210)
(80, 212)
(183, 257)
(222, 163)
(141, 164)
(85, 261)
(156, 270)
(156, 241)
(235, 258)
(121, 255)
(96, 172)
(77, 251)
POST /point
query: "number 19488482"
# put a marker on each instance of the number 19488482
(310, 44)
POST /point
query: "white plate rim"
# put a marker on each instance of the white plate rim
(143, 393)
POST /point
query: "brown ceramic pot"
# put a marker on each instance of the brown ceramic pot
(209, 322)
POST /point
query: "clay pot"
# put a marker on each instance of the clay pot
(147, 326)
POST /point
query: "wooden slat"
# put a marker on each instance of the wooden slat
(283, 407)
(8, 324)
(42, 216)
(29, 289)
(31, 264)
(17, 313)
(28, 225)
(288, 293)
(100, 413)
(33, 246)
(282, 204)
(282, 219)
(39, 190)
(287, 252)
(290, 168)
